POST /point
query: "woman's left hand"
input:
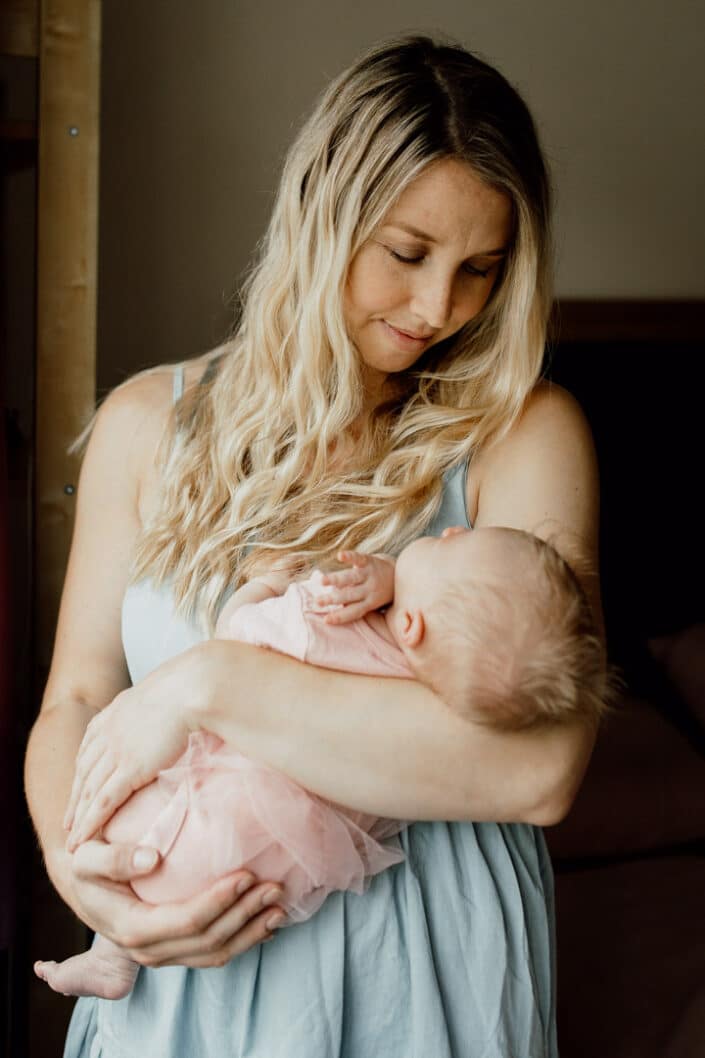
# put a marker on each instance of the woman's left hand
(125, 746)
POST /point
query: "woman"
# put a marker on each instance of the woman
(393, 328)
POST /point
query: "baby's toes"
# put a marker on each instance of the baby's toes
(43, 969)
(50, 972)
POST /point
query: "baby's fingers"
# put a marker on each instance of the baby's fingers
(350, 612)
(343, 578)
(353, 558)
(352, 593)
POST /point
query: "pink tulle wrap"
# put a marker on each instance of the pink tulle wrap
(215, 811)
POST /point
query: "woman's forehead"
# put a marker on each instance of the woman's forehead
(449, 202)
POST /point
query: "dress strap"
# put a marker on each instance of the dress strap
(178, 382)
(211, 370)
(453, 509)
(455, 493)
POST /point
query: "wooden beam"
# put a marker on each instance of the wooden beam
(67, 233)
(19, 28)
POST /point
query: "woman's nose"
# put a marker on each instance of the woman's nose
(433, 299)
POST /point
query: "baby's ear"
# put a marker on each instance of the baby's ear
(413, 628)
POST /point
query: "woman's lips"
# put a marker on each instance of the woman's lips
(406, 339)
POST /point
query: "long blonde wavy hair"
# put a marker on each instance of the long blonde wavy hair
(249, 467)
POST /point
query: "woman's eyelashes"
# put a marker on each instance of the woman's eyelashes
(407, 259)
(412, 259)
(475, 271)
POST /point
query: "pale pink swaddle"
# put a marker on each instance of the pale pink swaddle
(215, 811)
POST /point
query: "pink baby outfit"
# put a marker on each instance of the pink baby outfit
(215, 811)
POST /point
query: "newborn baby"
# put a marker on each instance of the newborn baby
(493, 620)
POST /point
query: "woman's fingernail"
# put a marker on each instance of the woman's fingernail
(271, 897)
(243, 885)
(275, 920)
(144, 859)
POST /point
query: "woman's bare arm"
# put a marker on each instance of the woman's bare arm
(88, 667)
(390, 747)
(88, 670)
(386, 747)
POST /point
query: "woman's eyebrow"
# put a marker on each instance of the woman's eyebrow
(411, 230)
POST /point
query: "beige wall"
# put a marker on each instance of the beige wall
(201, 99)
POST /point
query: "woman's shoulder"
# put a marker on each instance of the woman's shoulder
(134, 416)
(152, 391)
(551, 419)
(551, 406)
(550, 414)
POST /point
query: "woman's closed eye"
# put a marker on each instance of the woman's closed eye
(473, 270)
(412, 259)
(405, 257)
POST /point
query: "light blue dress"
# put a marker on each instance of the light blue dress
(447, 955)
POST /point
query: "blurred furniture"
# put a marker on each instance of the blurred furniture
(630, 888)
(630, 857)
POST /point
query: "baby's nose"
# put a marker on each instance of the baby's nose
(453, 530)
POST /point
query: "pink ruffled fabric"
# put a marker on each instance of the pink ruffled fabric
(216, 811)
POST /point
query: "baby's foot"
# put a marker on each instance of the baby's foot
(104, 971)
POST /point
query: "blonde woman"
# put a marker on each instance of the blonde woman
(383, 381)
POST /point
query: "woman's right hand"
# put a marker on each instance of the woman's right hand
(210, 929)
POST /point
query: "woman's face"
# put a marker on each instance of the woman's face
(428, 268)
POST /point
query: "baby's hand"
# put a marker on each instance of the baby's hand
(368, 585)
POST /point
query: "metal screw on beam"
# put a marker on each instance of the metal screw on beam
(73, 130)
(69, 489)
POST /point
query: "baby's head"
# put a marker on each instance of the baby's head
(496, 623)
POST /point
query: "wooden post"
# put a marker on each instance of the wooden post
(69, 77)
(67, 236)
